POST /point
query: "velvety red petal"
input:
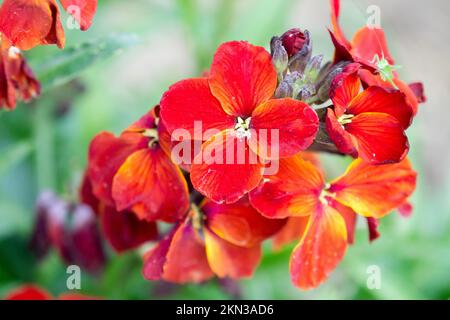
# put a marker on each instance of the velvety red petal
(339, 34)
(374, 191)
(27, 24)
(125, 231)
(293, 191)
(226, 169)
(321, 249)
(292, 231)
(106, 155)
(372, 225)
(28, 292)
(380, 137)
(239, 223)
(282, 128)
(340, 137)
(377, 99)
(344, 88)
(342, 52)
(152, 186)
(242, 77)
(229, 260)
(190, 102)
(83, 11)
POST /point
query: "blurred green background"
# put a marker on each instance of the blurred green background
(43, 145)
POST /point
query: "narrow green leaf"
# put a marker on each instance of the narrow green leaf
(62, 67)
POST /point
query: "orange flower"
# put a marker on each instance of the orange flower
(299, 190)
(134, 172)
(219, 239)
(29, 23)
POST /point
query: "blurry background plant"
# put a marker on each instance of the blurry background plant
(44, 144)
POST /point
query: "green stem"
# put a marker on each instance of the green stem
(44, 146)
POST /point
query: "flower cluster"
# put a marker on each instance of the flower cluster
(226, 159)
(25, 24)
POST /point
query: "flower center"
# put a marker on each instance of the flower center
(345, 119)
(242, 128)
(152, 134)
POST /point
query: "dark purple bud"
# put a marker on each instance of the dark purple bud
(293, 41)
(301, 58)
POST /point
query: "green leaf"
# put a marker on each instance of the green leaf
(64, 66)
(14, 155)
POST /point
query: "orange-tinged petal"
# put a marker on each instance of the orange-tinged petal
(380, 137)
(229, 260)
(374, 191)
(82, 10)
(377, 99)
(321, 249)
(242, 77)
(349, 217)
(27, 24)
(345, 87)
(239, 223)
(189, 105)
(124, 230)
(368, 42)
(282, 128)
(107, 153)
(292, 231)
(226, 169)
(152, 186)
(179, 258)
(293, 191)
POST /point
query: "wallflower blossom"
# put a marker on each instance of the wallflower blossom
(234, 106)
(299, 190)
(369, 47)
(215, 239)
(33, 292)
(17, 80)
(370, 124)
(134, 172)
(26, 24)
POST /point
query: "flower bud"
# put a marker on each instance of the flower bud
(293, 41)
(279, 56)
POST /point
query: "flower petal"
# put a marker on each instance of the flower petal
(321, 249)
(83, 11)
(340, 137)
(380, 137)
(292, 231)
(374, 191)
(368, 42)
(124, 230)
(190, 102)
(226, 169)
(339, 34)
(372, 225)
(344, 88)
(242, 77)
(152, 186)
(239, 223)
(27, 24)
(293, 191)
(179, 258)
(106, 155)
(376, 99)
(28, 292)
(229, 260)
(282, 128)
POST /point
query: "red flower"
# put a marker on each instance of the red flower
(369, 124)
(26, 24)
(299, 190)
(32, 292)
(17, 80)
(235, 100)
(219, 239)
(293, 41)
(123, 230)
(369, 47)
(134, 172)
